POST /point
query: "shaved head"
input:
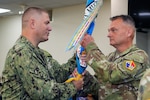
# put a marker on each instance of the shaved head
(33, 12)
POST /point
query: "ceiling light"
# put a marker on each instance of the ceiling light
(21, 12)
(4, 10)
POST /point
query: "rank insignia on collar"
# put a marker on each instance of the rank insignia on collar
(130, 65)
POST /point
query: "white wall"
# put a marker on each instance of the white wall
(119, 7)
(65, 21)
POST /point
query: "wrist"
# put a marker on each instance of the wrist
(90, 46)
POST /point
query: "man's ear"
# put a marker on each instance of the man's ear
(32, 23)
(130, 32)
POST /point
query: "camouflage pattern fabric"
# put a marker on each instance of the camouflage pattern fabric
(89, 85)
(119, 74)
(144, 88)
(32, 74)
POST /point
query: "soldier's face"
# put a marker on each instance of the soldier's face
(117, 33)
(43, 27)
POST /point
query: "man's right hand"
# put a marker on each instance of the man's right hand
(86, 40)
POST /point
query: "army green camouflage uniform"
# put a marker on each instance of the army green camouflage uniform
(118, 74)
(144, 88)
(32, 74)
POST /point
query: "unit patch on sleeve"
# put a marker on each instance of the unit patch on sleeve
(130, 65)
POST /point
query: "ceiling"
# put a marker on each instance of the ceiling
(19, 5)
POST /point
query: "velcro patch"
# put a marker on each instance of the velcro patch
(130, 65)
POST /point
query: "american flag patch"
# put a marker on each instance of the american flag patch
(130, 65)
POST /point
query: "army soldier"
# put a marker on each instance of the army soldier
(144, 88)
(31, 73)
(120, 72)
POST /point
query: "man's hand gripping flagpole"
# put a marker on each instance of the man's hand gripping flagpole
(87, 26)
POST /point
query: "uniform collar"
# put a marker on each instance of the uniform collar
(126, 51)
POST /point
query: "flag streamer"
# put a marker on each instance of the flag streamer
(91, 12)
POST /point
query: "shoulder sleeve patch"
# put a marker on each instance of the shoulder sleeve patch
(130, 65)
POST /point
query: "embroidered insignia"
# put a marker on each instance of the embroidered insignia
(130, 65)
